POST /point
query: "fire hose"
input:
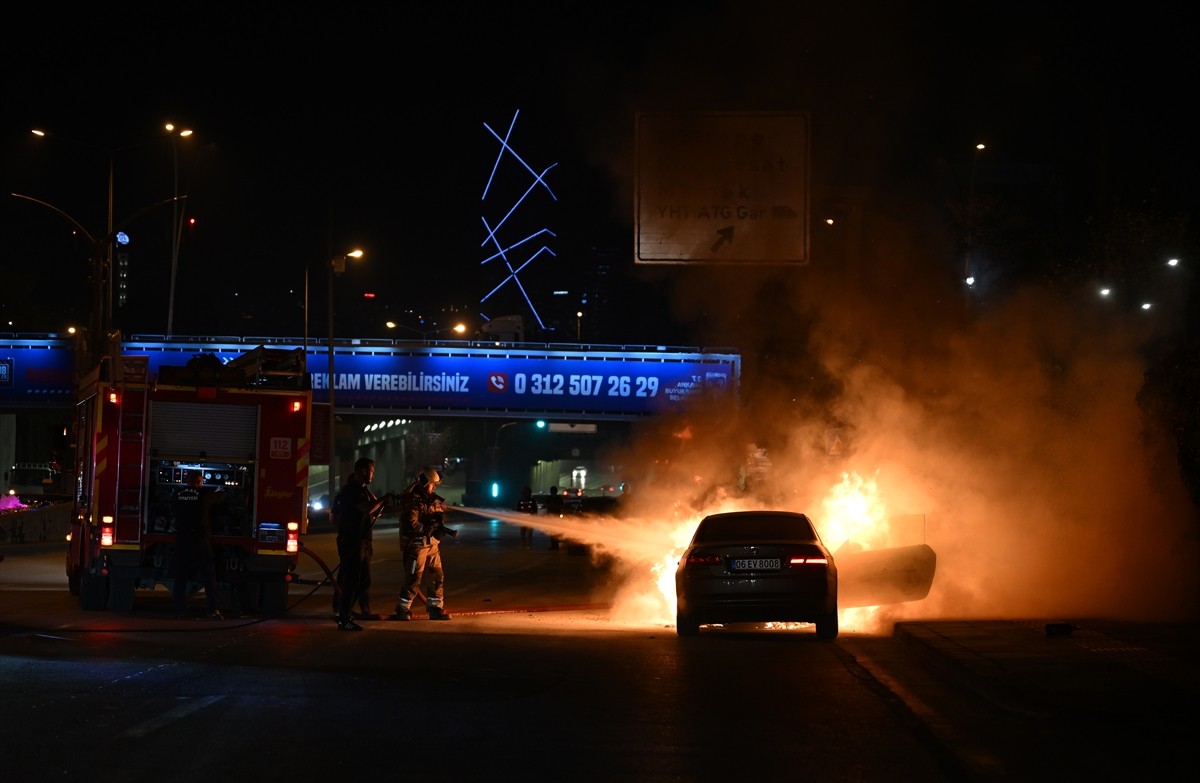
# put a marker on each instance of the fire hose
(329, 577)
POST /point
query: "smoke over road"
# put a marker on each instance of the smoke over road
(1011, 443)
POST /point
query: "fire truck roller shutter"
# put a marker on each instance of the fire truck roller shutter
(190, 429)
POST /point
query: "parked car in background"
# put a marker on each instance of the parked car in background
(318, 512)
(756, 567)
(33, 478)
(600, 505)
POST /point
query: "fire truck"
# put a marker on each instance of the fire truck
(245, 424)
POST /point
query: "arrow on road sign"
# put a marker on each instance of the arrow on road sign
(726, 235)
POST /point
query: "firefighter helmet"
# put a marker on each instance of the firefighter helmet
(429, 476)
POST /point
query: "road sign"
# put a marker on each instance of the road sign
(722, 187)
(578, 429)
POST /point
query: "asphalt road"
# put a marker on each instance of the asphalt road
(971, 699)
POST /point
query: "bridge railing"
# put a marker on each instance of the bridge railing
(411, 343)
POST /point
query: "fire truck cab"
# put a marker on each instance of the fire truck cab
(245, 424)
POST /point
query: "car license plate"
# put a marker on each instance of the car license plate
(755, 564)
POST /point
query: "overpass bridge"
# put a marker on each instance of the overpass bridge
(459, 378)
(585, 390)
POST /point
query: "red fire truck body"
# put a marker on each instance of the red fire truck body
(245, 424)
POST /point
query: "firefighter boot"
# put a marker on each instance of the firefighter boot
(437, 613)
(401, 614)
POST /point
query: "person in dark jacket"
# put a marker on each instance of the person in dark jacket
(355, 510)
(527, 505)
(555, 508)
(193, 544)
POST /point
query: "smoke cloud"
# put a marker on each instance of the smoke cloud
(1009, 439)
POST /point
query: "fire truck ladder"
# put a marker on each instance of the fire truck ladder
(131, 457)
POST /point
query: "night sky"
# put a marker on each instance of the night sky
(363, 127)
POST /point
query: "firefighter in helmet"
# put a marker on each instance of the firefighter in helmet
(422, 517)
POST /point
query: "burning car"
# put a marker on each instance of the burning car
(756, 567)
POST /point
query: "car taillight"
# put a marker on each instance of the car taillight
(293, 538)
(702, 561)
(106, 531)
(808, 556)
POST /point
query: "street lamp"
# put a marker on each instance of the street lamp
(100, 248)
(503, 427)
(176, 221)
(578, 324)
(968, 277)
(336, 265)
(495, 461)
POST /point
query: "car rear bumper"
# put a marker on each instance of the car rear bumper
(758, 608)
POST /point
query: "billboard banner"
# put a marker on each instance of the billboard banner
(452, 380)
(36, 373)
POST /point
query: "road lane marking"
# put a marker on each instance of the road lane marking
(170, 716)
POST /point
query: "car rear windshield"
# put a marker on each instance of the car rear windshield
(736, 528)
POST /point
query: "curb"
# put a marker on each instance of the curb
(970, 653)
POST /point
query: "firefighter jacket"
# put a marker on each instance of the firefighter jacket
(421, 514)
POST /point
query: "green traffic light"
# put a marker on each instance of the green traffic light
(541, 424)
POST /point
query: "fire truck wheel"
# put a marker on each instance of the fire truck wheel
(250, 597)
(120, 594)
(274, 598)
(93, 592)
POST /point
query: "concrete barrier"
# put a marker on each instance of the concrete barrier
(51, 522)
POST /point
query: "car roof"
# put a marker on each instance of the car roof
(764, 524)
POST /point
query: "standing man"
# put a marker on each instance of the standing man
(554, 508)
(193, 544)
(355, 510)
(527, 505)
(422, 513)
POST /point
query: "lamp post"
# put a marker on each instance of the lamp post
(176, 221)
(968, 258)
(336, 265)
(496, 445)
(503, 427)
(100, 248)
(578, 324)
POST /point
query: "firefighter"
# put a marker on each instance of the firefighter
(422, 513)
(355, 509)
(193, 544)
